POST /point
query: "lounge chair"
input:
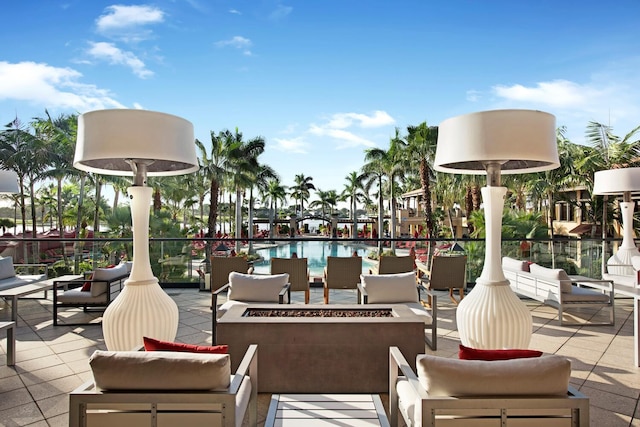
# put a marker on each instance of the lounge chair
(393, 264)
(341, 273)
(298, 273)
(220, 269)
(447, 272)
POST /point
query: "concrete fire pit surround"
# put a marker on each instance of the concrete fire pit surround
(322, 354)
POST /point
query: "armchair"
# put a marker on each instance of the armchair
(341, 273)
(298, 273)
(447, 272)
(393, 264)
(402, 289)
(452, 392)
(245, 289)
(135, 388)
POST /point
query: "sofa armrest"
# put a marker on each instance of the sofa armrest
(363, 296)
(286, 290)
(36, 267)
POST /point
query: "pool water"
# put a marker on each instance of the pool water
(315, 252)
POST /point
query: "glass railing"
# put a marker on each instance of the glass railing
(179, 262)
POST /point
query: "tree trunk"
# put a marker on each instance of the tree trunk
(238, 219)
(213, 208)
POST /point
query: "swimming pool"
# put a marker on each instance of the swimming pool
(315, 252)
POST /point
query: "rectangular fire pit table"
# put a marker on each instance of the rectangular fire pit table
(322, 354)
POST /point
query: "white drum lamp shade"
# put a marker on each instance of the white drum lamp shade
(491, 143)
(620, 182)
(8, 182)
(138, 143)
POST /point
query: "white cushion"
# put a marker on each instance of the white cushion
(546, 375)
(160, 370)
(552, 274)
(6, 268)
(390, 288)
(256, 288)
(514, 264)
(97, 287)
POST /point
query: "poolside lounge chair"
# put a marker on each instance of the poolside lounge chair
(341, 273)
(392, 265)
(298, 273)
(447, 272)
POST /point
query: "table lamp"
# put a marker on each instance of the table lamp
(623, 182)
(138, 143)
(8, 182)
(491, 143)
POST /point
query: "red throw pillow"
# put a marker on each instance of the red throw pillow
(152, 344)
(87, 285)
(476, 354)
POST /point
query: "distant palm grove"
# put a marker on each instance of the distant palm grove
(233, 186)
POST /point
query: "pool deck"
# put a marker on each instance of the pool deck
(52, 361)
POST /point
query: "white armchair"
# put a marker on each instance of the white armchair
(157, 388)
(401, 288)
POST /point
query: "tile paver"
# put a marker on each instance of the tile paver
(51, 361)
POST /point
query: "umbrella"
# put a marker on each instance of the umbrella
(221, 248)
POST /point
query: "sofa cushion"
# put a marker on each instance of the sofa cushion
(6, 268)
(552, 274)
(468, 353)
(97, 286)
(390, 288)
(513, 264)
(256, 288)
(160, 370)
(546, 375)
(152, 344)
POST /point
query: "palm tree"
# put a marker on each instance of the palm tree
(373, 174)
(391, 163)
(274, 192)
(421, 142)
(262, 176)
(244, 166)
(353, 190)
(300, 192)
(216, 167)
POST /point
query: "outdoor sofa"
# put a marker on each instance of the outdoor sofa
(553, 286)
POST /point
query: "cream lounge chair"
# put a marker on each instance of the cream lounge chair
(341, 273)
(298, 273)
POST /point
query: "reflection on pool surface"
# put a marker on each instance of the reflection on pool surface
(315, 252)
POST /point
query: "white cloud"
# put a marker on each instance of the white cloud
(556, 93)
(473, 95)
(51, 87)
(292, 145)
(280, 12)
(138, 106)
(337, 127)
(114, 55)
(345, 120)
(235, 12)
(237, 42)
(609, 96)
(347, 139)
(126, 22)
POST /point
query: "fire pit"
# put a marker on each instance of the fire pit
(323, 312)
(322, 349)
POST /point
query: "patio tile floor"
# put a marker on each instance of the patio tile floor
(52, 361)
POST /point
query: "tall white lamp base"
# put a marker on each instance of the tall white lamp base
(492, 316)
(142, 309)
(628, 248)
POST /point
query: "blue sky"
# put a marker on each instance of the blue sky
(322, 81)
